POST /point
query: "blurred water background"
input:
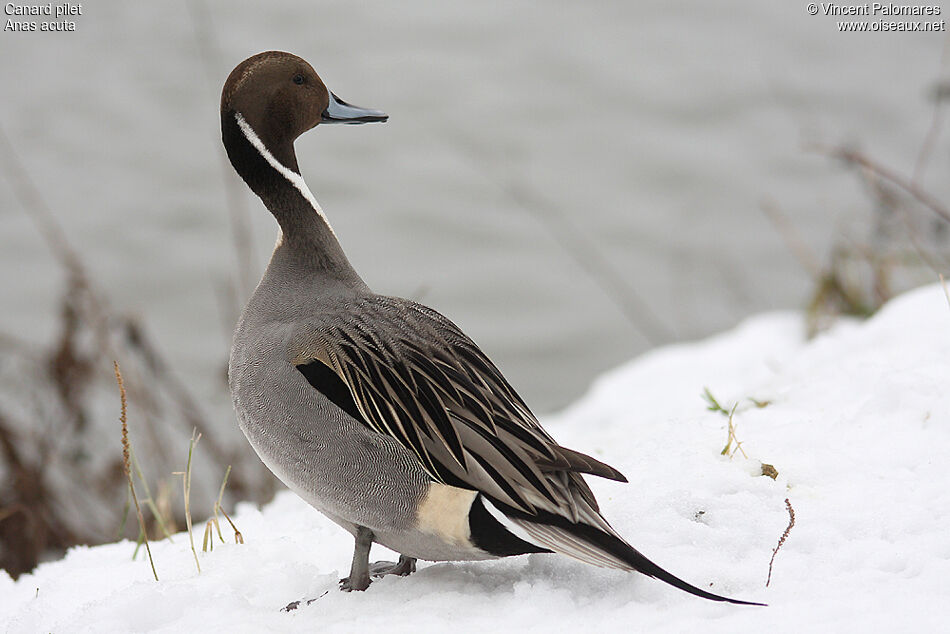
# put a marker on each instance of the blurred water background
(655, 128)
(572, 183)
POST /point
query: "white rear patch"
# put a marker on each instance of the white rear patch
(444, 512)
(556, 539)
(295, 179)
(505, 521)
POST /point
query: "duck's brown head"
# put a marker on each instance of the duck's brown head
(279, 97)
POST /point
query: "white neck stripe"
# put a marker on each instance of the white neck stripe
(295, 179)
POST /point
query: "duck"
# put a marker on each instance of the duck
(379, 411)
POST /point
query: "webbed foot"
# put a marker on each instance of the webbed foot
(355, 582)
(404, 567)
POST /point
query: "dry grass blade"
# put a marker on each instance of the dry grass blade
(186, 489)
(217, 504)
(149, 501)
(854, 157)
(207, 542)
(65, 500)
(224, 483)
(788, 529)
(126, 463)
(729, 449)
(238, 537)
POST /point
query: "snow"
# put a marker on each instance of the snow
(857, 425)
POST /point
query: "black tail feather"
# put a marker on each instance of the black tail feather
(621, 550)
(647, 567)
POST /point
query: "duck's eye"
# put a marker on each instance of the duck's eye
(298, 79)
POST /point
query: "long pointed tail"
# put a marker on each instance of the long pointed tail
(598, 546)
(647, 567)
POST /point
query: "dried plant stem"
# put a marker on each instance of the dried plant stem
(238, 537)
(729, 450)
(224, 483)
(854, 157)
(186, 489)
(126, 452)
(927, 258)
(788, 529)
(217, 504)
(207, 542)
(217, 525)
(149, 501)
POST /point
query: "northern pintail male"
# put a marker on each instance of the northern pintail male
(379, 411)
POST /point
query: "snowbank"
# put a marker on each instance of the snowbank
(857, 425)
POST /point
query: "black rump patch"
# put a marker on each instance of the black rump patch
(491, 536)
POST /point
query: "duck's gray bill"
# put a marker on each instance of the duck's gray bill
(341, 112)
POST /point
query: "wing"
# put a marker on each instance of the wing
(408, 372)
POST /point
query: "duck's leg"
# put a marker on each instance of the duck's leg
(406, 566)
(359, 570)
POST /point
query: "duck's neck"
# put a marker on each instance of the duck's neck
(307, 241)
